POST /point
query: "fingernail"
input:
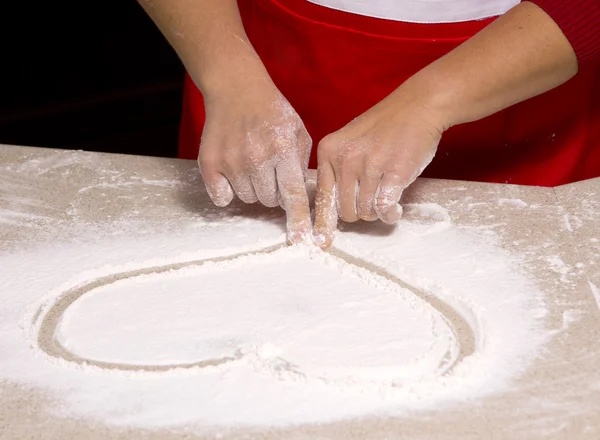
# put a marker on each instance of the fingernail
(319, 239)
(294, 237)
(395, 215)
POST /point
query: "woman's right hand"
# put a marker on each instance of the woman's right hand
(254, 145)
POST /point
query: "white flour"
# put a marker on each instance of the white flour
(595, 292)
(319, 339)
(321, 316)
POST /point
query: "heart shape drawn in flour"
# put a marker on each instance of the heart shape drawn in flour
(452, 334)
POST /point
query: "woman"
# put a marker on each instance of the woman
(510, 85)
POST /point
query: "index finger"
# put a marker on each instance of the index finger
(292, 188)
(326, 214)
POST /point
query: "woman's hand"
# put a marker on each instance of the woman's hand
(365, 166)
(372, 159)
(255, 146)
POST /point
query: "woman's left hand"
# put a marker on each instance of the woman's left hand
(370, 161)
(365, 166)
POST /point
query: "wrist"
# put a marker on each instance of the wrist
(437, 97)
(431, 103)
(232, 71)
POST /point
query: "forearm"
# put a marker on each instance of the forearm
(209, 37)
(521, 55)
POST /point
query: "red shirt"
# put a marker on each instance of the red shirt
(580, 22)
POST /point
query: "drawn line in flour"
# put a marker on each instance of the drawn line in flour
(462, 329)
(51, 316)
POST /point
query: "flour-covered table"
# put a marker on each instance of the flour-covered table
(131, 307)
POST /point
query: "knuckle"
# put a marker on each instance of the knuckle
(404, 174)
(373, 166)
(365, 207)
(346, 160)
(267, 197)
(367, 212)
(327, 147)
(253, 167)
(304, 135)
(246, 194)
(230, 156)
(351, 157)
(207, 162)
(383, 205)
(295, 199)
(257, 158)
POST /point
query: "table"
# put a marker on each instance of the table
(52, 195)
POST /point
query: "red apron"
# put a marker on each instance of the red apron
(332, 66)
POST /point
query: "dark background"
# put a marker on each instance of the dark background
(90, 75)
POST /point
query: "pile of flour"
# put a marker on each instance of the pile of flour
(319, 339)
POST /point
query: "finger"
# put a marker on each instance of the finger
(347, 191)
(242, 185)
(305, 147)
(388, 196)
(290, 180)
(218, 188)
(325, 206)
(264, 182)
(367, 188)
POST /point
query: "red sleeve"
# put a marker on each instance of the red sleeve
(580, 22)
